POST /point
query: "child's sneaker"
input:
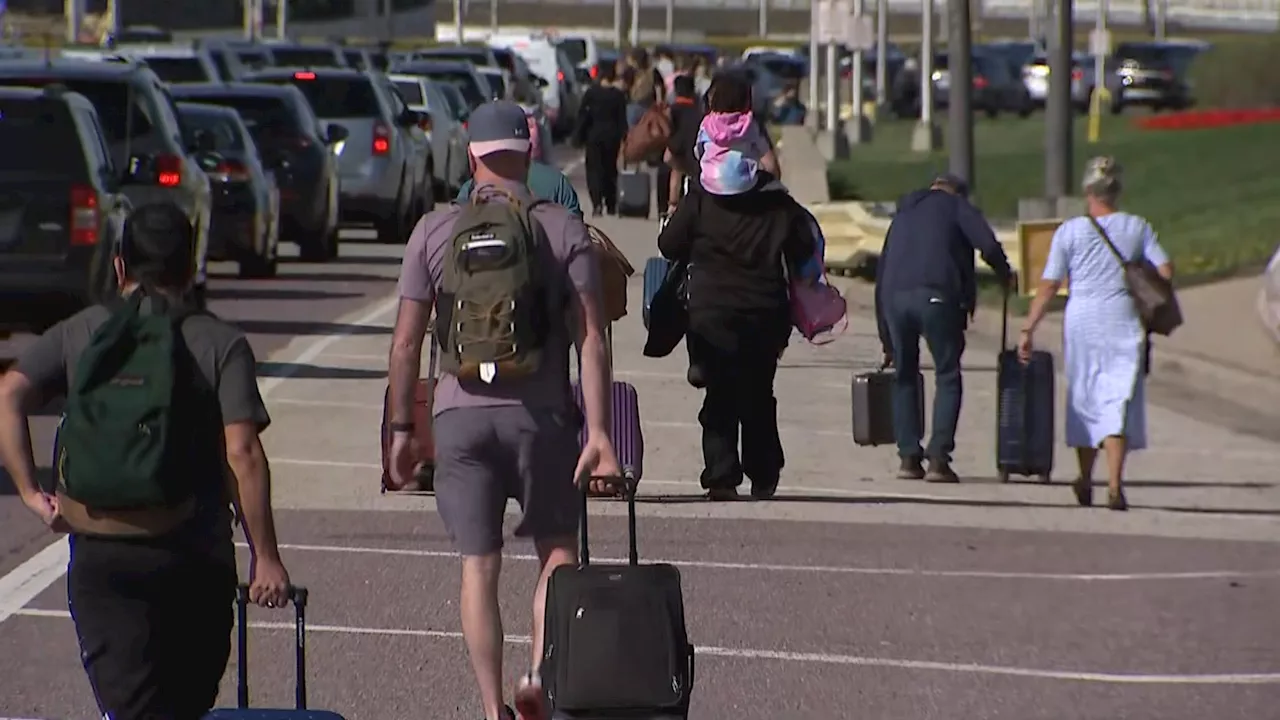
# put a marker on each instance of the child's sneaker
(531, 703)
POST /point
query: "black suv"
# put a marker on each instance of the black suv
(1153, 74)
(295, 149)
(140, 123)
(61, 210)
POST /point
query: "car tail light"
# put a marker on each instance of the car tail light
(169, 170)
(425, 123)
(594, 71)
(84, 215)
(304, 75)
(230, 171)
(381, 139)
(560, 75)
(980, 82)
(1077, 74)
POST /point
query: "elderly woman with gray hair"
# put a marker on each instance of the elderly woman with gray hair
(1104, 342)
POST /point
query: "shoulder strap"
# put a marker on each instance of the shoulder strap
(1106, 239)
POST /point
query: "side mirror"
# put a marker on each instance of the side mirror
(410, 118)
(538, 80)
(336, 134)
(203, 141)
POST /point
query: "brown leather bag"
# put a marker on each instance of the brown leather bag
(615, 269)
(649, 136)
(1153, 296)
(424, 444)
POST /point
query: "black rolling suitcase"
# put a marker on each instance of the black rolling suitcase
(873, 407)
(1025, 400)
(635, 193)
(616, 644)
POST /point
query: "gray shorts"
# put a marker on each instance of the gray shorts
(485, 455)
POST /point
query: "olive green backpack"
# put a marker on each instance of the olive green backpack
(493, 312)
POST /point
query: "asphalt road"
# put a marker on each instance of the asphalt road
(851, 595)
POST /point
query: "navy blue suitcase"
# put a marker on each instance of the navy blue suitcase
(1025, 411)
(242, 711)
(655, 271)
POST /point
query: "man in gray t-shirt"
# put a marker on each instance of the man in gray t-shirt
(153, 609)
(513, 438)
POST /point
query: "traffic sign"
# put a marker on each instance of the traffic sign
(832, 20)
(1099, 42)
(860, 34)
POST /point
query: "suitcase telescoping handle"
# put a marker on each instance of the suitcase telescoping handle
(297, 596)
(629, 485)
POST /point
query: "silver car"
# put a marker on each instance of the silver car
(381, 164)
(447, 135)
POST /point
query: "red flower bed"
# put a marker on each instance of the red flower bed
(1200, 119)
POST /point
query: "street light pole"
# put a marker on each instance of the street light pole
(1058, 117)
(882, 54)
(960, 95)
(925, 136)
(814, 69)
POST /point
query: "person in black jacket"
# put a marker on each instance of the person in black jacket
(739, 314)
(925, 287)
(602, 125)
(678, 162)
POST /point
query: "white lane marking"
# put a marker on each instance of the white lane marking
(872, 496)
(811, 658)
(22, 584)
(825, 569)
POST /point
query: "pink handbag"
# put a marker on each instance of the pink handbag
(817, 309)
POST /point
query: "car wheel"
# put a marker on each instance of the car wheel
(255, 267)
(993, 112)
(391, 228)
(1117, 104)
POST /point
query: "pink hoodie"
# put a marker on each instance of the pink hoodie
(729, 149)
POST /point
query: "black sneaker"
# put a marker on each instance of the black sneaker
(723, 494)
(764, 491)
(911, 469)
(940, 472)
(696, 377)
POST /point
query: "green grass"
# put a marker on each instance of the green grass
(1213, 195)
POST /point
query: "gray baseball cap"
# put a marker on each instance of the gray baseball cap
(497, 127)
(953, 181)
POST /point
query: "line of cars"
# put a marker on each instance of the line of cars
(1012, 76)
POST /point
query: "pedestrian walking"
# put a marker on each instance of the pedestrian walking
(1104, 343)
(505, 424)
(736, 244)
(647, 86)
(926, 288)
(602, 126)
(544, 180)
(160, 400)
(678, 161)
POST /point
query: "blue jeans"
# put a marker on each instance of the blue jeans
(634, 113)
(924, 313)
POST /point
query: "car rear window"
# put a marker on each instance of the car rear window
(226, 136)
(39, 137)
(335, 97)
(355, 59)
(466, 57)
(258, 113)
(575, 50)
(110, 98)
(178, 69)
(304, 57)
(497, 83)
(458, 109)
(466, 84)
(411, 92)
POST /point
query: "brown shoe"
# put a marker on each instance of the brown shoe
(940, 472)
(1117, 501)
(911, 469)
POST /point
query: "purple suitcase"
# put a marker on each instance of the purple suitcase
(628, 439)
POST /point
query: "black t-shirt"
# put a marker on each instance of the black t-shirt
(224, 357)
(685, 120)
(602, 116)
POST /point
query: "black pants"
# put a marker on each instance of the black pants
(739, 359)
(664, 187)
(154, 621)
(601, 160)
(923, 313)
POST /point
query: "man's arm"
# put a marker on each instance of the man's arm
(978, 232)
(676, 239)
(244, 416)
(882, 322)
(417, 297)
(594, 368)
(567, 196)
(39, 368)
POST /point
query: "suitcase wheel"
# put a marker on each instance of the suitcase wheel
(1003, 475)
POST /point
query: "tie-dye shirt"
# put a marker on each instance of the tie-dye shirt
(729, 149)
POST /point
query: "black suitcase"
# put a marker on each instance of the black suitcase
(1025, 400)
(873, 407)
(615, 638)
(634, 193)
(242, 711)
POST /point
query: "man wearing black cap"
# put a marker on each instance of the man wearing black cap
(925, 287)
(497, 438)
(151, 588)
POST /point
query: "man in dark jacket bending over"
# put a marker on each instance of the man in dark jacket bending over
(925, 288)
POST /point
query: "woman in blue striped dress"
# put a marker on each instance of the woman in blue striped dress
(1104, 343)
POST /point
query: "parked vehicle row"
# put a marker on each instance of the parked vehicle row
(257, 143)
